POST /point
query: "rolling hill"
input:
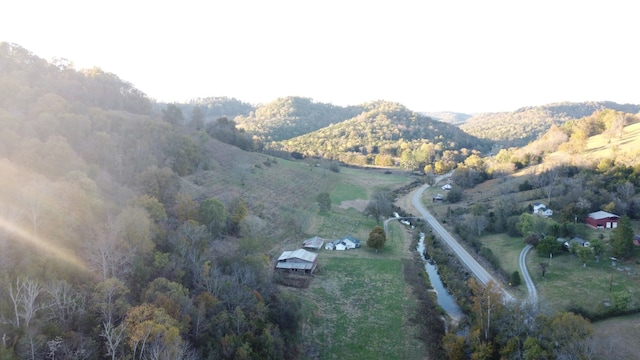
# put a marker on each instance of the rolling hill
(382, 128)
(288, 117)
(519, 127)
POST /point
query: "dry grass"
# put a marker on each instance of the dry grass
(617, 338)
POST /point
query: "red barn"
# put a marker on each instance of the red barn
(603, 220)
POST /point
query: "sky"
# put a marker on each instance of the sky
(446, 55)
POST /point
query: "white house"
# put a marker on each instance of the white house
(341, 246)
(446, 187)
(349, 244)
(329, 246)
(541, 209)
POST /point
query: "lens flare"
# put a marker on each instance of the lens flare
(59, 253)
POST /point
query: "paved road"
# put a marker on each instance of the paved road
(533, 293)
(480, 272)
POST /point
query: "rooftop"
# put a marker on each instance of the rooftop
(602, 215)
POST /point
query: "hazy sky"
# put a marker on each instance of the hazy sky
(467, 56)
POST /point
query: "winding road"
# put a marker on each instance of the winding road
(480, 272)
(531, 288)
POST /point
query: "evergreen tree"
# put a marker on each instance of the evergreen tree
(324, 201)
(622, 238)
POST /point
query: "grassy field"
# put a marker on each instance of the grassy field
(568, 284)
(617, 338)
(358, 306)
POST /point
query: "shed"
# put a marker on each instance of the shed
(602, 220)
(314, 243)
(299, 260)
(329, 246)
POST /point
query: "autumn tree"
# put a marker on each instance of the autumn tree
(151, 330)
(377, 238)
(237, 212)
(160, 183)
(109, 300)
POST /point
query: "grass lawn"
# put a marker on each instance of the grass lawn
(358, 307)
(508, 249)
(568, 284)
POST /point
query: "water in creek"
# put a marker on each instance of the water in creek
(445, 299)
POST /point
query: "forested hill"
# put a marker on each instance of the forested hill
(288, 117)
(385, 133)
(120, 227)
(524, 125)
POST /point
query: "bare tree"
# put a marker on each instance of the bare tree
(34, 200)
(26, 300)
(65, 300)
(108, 254)
(113, 336)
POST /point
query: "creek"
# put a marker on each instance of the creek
(444, 298)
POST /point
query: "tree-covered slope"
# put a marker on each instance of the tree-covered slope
(519, 127)
(383, 128)
(116, 221)
(288, 117)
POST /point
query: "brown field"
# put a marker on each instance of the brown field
(617, 338)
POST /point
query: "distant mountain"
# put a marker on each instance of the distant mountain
(449, 117)
(384, 128)
(222, 106)
(288, 117)
(519, 127)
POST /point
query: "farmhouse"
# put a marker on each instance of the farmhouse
(602, 220)
(541, 210)
(314, 243)
(575, 240)
(446, 187)
(299, 260)
(351, 239)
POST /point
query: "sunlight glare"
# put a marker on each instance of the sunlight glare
(59, 253)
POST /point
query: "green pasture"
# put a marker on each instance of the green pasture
(567, 284)
(346, 191)
(358, 308)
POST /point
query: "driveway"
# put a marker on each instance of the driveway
(531, 288)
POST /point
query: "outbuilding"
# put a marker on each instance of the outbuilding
(314, 243)
(299, 260)
(602, 220)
